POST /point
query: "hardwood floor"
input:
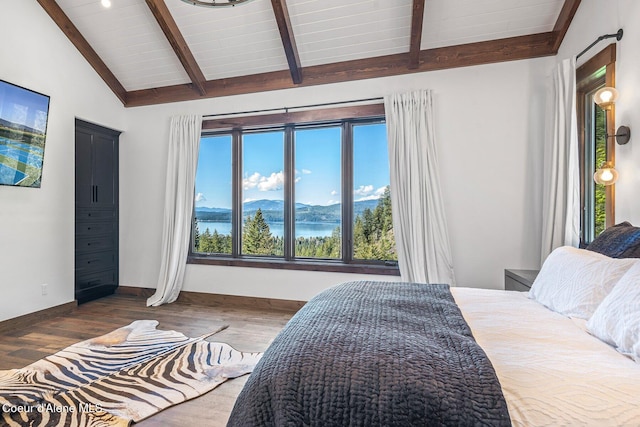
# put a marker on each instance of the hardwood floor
(249, 330)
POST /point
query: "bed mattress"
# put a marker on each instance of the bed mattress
(552, 371)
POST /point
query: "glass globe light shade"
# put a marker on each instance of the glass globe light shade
(606, 175)
(606, 97)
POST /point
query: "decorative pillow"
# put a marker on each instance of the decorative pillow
(617, 320)
(620, 241)
(573, 282)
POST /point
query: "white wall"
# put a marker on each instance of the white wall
(37, 225)
(489, 124)
(593, 19)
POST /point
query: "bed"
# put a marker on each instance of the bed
(384, 353)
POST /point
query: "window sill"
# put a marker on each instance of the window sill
(326, 266)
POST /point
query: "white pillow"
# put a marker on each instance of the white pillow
(617, 320)
(573, 282)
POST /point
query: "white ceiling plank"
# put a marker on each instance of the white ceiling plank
(244, 40)
(127, 26)
(224, 40)
(334, 30)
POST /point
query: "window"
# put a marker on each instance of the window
(372, 227)
(595, 155)
(212, 227)
(305, 196)
(597, 201)
(318, 193)
(263, 193)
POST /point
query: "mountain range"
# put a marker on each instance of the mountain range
(18, 127)
(273, 210)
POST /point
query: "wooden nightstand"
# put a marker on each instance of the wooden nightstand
(519, 280)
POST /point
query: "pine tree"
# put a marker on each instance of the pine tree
(196, 237)
(206, 243)
(256, 236)
(373, 232)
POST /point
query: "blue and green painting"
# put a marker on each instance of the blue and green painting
(23, 127)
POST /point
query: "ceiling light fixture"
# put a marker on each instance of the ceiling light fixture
(106, 3)
(216, 3)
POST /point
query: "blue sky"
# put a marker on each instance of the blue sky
(23, 106)
(318, 158)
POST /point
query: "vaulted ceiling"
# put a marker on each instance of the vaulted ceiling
(158, 51)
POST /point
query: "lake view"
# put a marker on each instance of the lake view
(303, 229)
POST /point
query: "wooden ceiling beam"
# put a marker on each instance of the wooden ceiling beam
(304, 116)
(176, 40)
(288, 40)
(508, 49)
(417, 18)
(72, 33)
(569, 9)
(487, 52)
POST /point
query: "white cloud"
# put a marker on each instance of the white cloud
(371, 197)
(370, 194)
(334, 192)
(248, 199)
(200, 197)
(306, 171)
(273, 182)
(252, 181)
(364, 190)
(332, 202)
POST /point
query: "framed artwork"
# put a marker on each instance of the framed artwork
(23, 131)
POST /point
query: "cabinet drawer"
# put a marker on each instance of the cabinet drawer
(93, 228)
(94, 243)
(92, 262)
(93, 214)
(97, 279)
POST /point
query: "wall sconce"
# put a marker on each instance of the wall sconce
(606, 175)
(606, 97)
(623, 135)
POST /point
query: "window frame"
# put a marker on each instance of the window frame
(587, 79)
(346, 117)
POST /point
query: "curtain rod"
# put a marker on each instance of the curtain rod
(617, 35)
(286, 109)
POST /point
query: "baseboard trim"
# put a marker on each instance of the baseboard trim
(38, 316)
(220, 300)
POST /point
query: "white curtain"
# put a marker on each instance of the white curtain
(419, 221)
(184, 141)
(561, 170)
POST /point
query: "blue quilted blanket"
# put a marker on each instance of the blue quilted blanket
(374, 354)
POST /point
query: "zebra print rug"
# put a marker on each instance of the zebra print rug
(119, 378)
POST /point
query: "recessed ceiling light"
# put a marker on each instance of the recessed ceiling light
(106, 3)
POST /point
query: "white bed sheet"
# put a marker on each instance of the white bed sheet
(552, 372)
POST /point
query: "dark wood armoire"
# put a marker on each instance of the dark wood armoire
(96, 197)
